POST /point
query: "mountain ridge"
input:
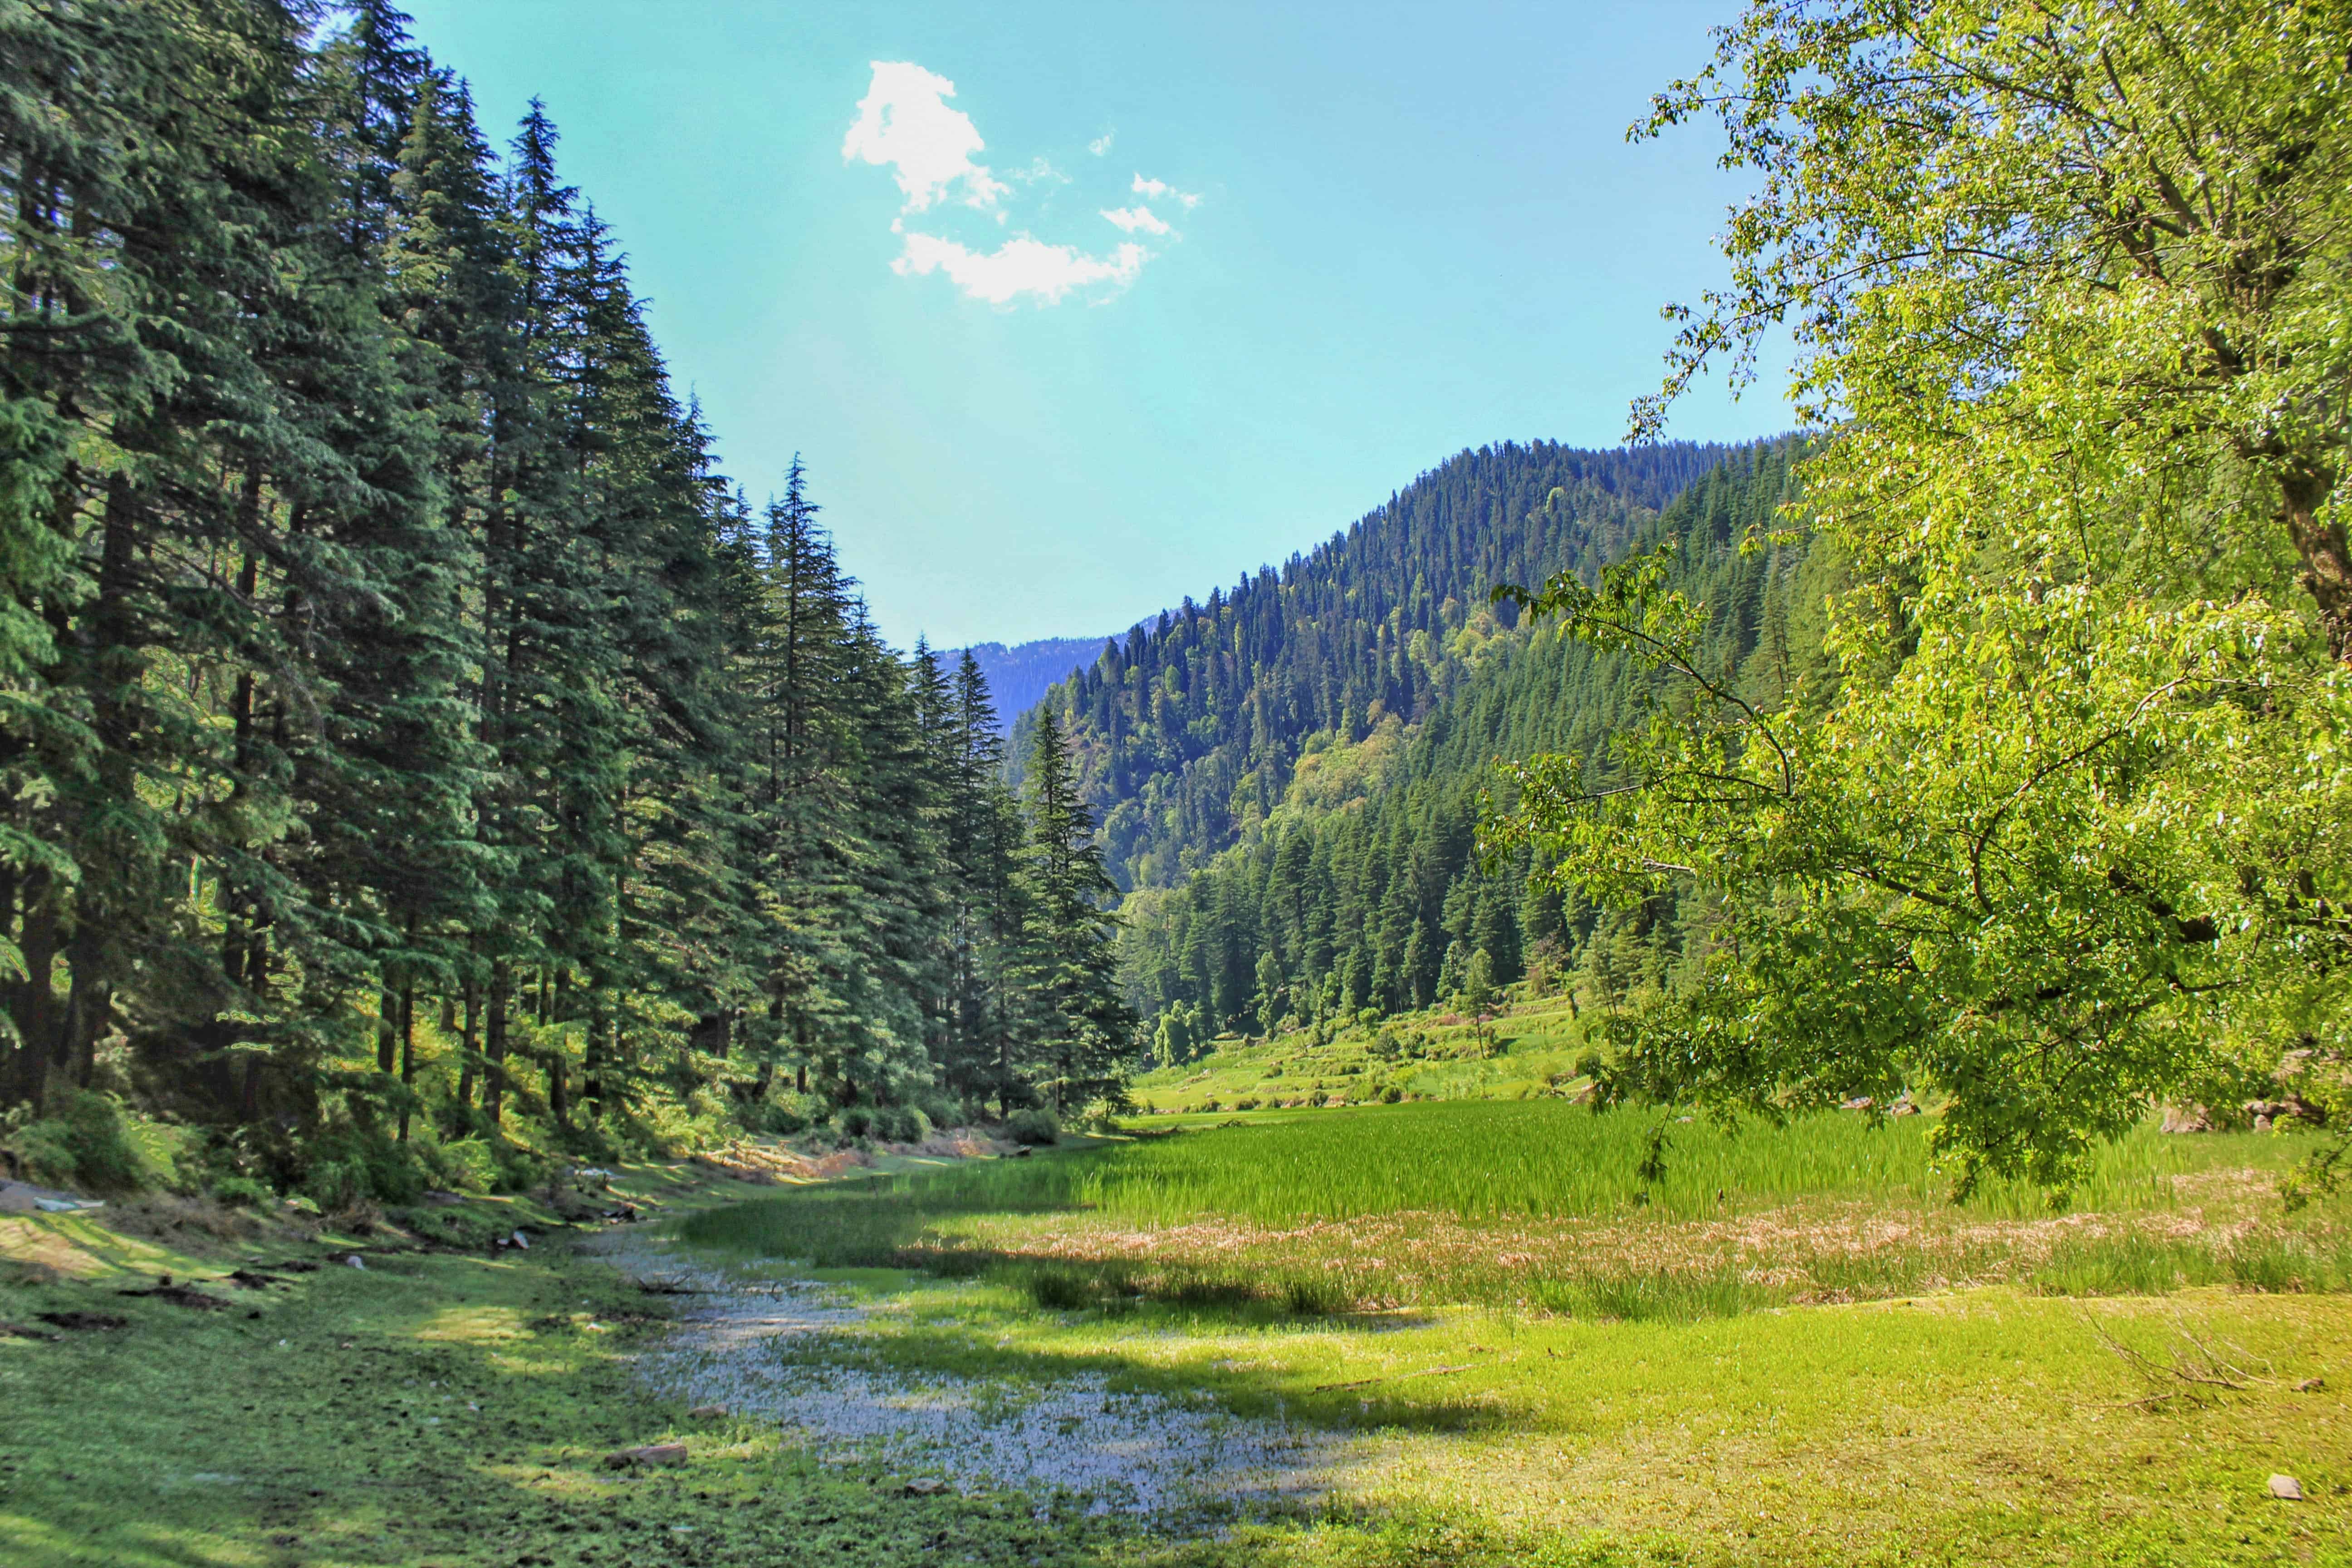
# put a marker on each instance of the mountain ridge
(1190, 725)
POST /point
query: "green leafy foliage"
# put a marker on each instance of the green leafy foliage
(2057, 828)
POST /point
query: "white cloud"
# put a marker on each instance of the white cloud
(1139, 217)
(1101, 144)
(1039, 169)
(1158, 188)
(904, 120)
(1020, 267)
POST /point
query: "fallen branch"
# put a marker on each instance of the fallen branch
(1389, 1376)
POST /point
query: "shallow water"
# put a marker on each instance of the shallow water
(758, 1346)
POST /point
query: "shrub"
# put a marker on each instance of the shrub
(1391, 1095)
(1247, 1103)
(468, 1166)
(241, 1192)
(1034, 1128)
(83, 1146)
(349, 1165)
(900, 1124)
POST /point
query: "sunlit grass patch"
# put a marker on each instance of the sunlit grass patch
(1541, 1206)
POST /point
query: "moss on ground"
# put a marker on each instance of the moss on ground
(456, 1408)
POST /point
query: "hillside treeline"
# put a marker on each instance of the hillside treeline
(1186, 730)
(1365, 887)
(407, 732)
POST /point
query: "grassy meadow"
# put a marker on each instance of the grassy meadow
(1791, 1349)
(1529, 1050)
(1538, 1205)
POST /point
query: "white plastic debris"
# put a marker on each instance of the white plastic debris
(353, 1260)
(522, 1241)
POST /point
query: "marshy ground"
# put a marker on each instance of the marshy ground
(1236, 1345)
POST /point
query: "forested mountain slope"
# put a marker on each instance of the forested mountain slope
(1187, 730)
(1362, 887)
(1021, 674)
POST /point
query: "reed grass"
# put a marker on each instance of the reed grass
(1541, 1206)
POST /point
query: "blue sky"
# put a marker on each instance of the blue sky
(1160, 293)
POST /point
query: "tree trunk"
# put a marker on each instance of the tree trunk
(466, 1041)
(407, 1056)
(591, 1067)
(559, 1090)
(2326, 557)
(387, 1028)
(494, 1052)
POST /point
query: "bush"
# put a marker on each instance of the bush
(467, 1165)
(901, 1125)
(84, 1146)
(349, 1165)
(943, 1109)
(1034, 1128)
(241, 1192)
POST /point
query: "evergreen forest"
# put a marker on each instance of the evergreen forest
(409, 733)
(1359, 883)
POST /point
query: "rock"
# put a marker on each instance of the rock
(650, 1454)
(707, 1413)
(1859, 1102)
(2311, 1385)
(2187, 1119)
(926, 1487)
(23, 1197)
(2286, 1488)
(522, 1241)
(2268, 1114)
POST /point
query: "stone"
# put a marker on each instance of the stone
(522, 1241)
(2187, 1119)
(23, 1197)
(926, 1487)
(707, 1413)
(2286, 1488)
(1859, 1102)
(650, 1454)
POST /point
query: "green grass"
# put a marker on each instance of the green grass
(1418, 1056)
(434, 1408)
(1539, 1205)
(1477, 1161)
(1650, 1424)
